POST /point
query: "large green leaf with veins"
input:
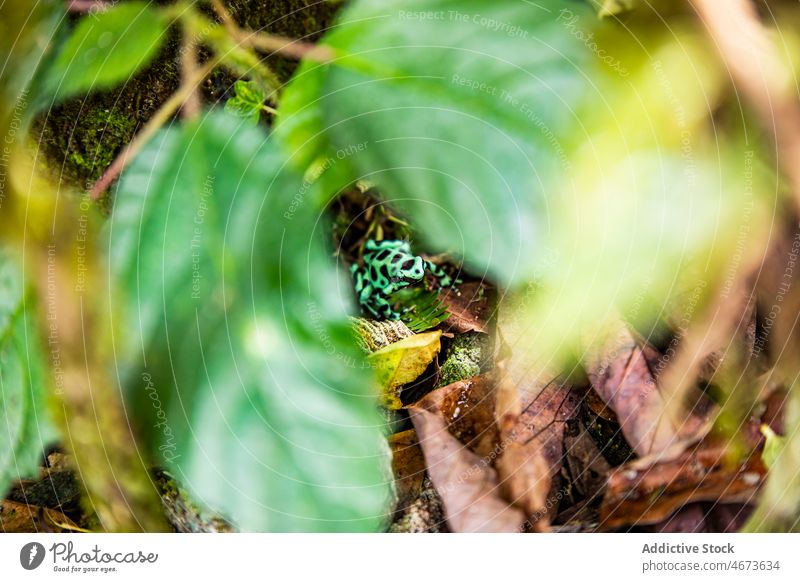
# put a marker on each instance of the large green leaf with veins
(238, 348)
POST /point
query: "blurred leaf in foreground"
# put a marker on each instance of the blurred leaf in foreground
(25, 31)
(246, 367)
(654, 202)
(107, 48)
(25, 427)
(779, 506)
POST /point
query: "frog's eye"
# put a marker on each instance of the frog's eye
(407, 265)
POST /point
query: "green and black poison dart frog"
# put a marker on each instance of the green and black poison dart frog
(389, 265)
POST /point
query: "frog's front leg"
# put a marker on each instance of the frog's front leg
(365, 296)
(363, 288)
(374, 307)
(383, 305)
(371, 301)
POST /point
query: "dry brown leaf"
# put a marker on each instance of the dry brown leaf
(531, 459)
(525, 454)
(466, 482)
(623, 370)
(704, 518)
(21, 518)
(526, 482)
(467, 407)
(598, 406)
(470, 306)
(648, 492)
(586, 465)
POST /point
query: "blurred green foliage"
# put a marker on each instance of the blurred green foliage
(238, 349)
(26, 428)
(106, 48)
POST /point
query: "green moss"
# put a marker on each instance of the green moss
(182, 512)
(81, 137)
(105, 133)
(466, 358)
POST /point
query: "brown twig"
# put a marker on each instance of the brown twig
(160, 117)
(296, 49)
(225, 16)
(271, 43)
(189, 67)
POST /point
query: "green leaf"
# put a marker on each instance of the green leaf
(425, 309)
(237, 330)
(243, 110)
(455, 112)
(777, 509)
(247, 102)
(107, 48)
(25, 425)
(250, 93)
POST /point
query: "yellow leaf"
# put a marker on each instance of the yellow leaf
(402, 362)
